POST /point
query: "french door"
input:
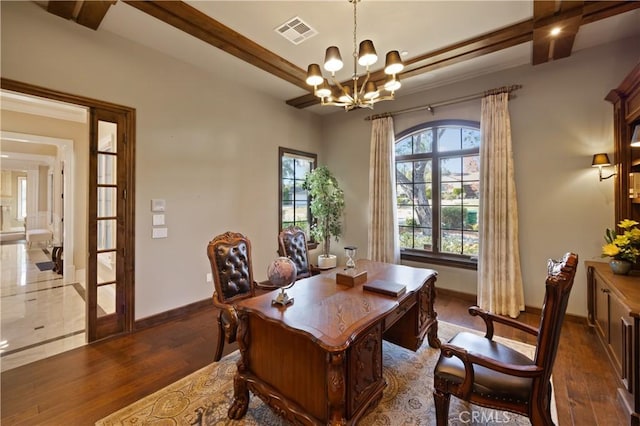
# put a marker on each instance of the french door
(110, 233)
(111, 214)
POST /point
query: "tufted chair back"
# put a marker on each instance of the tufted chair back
(230, 258)
(292, 243)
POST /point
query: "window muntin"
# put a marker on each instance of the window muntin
(294, 201)
(438, 183)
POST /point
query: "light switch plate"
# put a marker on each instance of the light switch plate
(159, 233)
(158, 219)
(158, 205)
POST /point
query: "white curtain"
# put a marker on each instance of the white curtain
(500, 287)
(383, 242)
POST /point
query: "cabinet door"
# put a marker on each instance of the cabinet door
(602, 307)
(620, 340)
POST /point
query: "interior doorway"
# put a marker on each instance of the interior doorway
(43, 306)
(121, 239)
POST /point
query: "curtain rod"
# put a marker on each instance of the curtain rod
(430, 107)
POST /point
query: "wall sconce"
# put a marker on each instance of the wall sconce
(635, 138)
(602, 160)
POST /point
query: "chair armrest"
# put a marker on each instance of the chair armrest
(229, 313)
(470, 358)
(490, 318)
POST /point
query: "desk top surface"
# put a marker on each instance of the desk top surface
(333, 314)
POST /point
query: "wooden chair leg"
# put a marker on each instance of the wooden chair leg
(221, 338)
(441, 401)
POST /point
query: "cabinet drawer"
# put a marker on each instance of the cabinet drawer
(399, 311)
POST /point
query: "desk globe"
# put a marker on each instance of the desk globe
(282, 273)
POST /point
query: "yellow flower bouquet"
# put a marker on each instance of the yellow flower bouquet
(625, 246)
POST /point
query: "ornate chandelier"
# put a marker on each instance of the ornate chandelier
(365, 94)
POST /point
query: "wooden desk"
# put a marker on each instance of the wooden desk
(319, 360)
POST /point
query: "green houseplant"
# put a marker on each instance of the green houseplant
(327, 207)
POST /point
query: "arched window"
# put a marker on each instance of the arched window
(438, 191)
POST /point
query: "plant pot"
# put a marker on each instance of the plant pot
(327, 262)
(620, 267)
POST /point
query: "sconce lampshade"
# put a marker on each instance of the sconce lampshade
(601, 159)
(635, 138)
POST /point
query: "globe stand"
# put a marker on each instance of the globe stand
(282, 299)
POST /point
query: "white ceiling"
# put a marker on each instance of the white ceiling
(415, 26)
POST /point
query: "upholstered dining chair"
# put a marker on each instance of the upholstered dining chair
(484, 372)
(230, 258)
(292, 243)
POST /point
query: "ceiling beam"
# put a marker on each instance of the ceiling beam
(63, 9)
(93, 12)
(541, 43)
(567, 19)
(207, 29)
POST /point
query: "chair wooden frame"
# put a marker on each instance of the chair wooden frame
(461, 381)
(230, 258)
(292, 243)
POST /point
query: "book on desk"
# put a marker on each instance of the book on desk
(385, 287)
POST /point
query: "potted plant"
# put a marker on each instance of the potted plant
(623, 248)
(327, 207)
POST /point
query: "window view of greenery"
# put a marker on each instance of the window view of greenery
(294, 201)
(438, 188)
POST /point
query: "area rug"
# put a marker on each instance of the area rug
(45, 266)
(203, 397)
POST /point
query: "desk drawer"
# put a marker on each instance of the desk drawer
(399, 312)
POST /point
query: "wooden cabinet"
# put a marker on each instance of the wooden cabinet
(614, 312)
(626, 115)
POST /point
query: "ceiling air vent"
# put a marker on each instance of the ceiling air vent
(296, 30)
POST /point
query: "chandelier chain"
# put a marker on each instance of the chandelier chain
(355, 40)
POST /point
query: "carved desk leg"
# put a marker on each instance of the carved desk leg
(240, 403)
(337, 388)
(432, 327)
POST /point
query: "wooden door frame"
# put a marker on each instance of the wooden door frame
(130, 125)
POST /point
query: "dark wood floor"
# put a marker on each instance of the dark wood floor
(85, 384)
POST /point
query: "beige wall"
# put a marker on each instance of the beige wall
(206, 145)
(559, 119)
